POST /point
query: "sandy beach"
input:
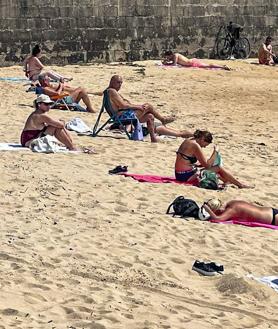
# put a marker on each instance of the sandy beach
(84, 249)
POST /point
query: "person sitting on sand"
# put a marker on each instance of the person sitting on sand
(242, 210)
(39, 124)
(144, 112)
(33, 67)
(70, 94)
(265, 53)
(171, 58)
(190, 152)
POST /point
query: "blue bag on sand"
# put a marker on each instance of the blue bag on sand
(137, 134)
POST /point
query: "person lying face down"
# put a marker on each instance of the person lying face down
(171, 58)
(190, 152)
(39, 124)
(144, 112)
(242, 210)
(73, 95)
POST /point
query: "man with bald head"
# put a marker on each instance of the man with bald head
(144, 112)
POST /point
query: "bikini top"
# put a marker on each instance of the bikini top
(187, 157)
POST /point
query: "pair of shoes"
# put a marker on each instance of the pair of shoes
(208, 269)
(117, 170)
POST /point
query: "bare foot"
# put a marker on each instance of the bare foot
(246, 186)
(154, 139)
(227, 68)
(168, 120)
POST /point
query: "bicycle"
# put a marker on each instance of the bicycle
(232, 45)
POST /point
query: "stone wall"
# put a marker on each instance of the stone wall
(73, 31)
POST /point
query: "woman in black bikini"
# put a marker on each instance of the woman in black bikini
(190, 152)
(238, 209)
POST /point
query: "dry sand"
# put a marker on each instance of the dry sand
(83, 249)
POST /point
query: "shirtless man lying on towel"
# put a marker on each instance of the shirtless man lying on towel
(144, 112)
(40, 124)
(242, 210)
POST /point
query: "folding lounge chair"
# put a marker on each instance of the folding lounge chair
(113, 117)
(60, 102)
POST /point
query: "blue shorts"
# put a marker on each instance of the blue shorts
(183, 176)
(127, 115)
(68, 100)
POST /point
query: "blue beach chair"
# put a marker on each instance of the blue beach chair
(114, 118)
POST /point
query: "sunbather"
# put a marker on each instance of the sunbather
(171, 58)
(144, 112)
(265, 53)
(242, 210)
(70, 94)
(40, 124)
(33, 67)
(190, 152)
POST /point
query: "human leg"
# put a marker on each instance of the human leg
(56, 76)
(148, 108)
(163, 130)
(80, 93)
(62, 135)
(227, 177)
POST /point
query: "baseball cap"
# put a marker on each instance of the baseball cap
(44, 99)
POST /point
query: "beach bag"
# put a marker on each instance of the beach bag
(137, 134)
(208, 180)
(184, 208)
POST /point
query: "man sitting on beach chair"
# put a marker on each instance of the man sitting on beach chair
(144, 112)
(62, 90)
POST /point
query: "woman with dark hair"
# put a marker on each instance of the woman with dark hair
(33, 67)
(190, 152)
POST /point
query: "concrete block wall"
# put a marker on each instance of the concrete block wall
(72, 31)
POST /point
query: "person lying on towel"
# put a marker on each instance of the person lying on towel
(40, 124)
(190, 152)
(144, 112)
(171, 58)
(70, 94)
(242, 210)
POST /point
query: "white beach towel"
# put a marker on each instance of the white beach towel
(12, 147)
(271, 281)
(47, 144)
(78, 125)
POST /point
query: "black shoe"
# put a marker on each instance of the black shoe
(203, 268)
(216, 267)
(117, 170)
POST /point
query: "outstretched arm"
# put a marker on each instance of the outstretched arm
(227, 214)
(51, 122)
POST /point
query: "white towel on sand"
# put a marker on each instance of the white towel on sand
(78, 125)
(47, 144)
(12, 147)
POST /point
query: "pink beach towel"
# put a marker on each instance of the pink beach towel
(155, 179)
(246, 223)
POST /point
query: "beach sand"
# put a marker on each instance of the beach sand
(84, 249)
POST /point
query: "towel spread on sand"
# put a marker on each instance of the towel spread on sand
(12, 147)
(154, 179)
(271, 281)
(246, 223)
(14, 79)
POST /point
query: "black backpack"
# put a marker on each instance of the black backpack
(184, 208)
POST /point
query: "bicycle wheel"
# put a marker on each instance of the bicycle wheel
(223, 47)
(242, 48)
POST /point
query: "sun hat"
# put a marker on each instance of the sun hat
(44, 99)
